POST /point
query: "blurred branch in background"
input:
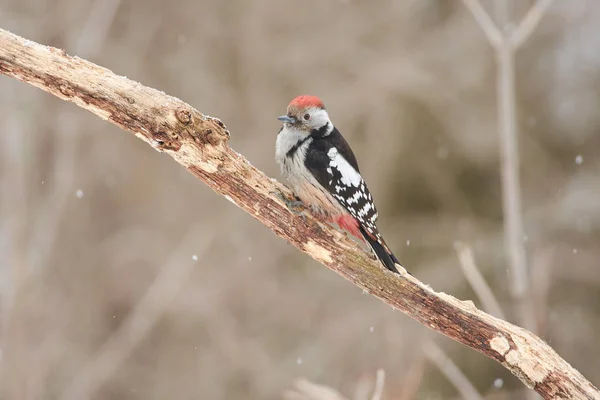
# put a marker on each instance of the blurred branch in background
(138, 324)
(379, 382)
(306, 390)
(476, 280)
(506, 42)
(451, 371)
(199, 143)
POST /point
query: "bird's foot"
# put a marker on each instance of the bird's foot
(293, 203)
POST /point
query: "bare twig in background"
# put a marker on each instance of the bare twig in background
(411, 381)
(87, 44)
(306, 390)
(12, 232)
(529, 23)
(476, 280)
(93, 35)
(379, 382)
(368, 388)
(53, 210)
(505, 45)
(489, 303)
(199, 143)
(511, 185)
(451, 371)
(138, 324)
(485, 22)
(541, 273)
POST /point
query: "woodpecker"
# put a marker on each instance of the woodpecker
(322, 169)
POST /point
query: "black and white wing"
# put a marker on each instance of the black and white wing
(333, 164)
(349, 188)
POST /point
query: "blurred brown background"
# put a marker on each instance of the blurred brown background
(123, 277)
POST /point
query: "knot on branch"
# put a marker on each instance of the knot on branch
(183, 116)
(220, 124)
(209, 130)
(187, 125)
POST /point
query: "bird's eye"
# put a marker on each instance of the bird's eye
(306, 117)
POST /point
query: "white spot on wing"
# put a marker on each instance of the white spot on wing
(365, 210)
(355, 197)
(350, 177)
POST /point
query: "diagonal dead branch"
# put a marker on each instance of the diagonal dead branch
(199, 143)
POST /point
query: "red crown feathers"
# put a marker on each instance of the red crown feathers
(306, 101)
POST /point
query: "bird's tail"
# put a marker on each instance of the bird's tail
(383, 253)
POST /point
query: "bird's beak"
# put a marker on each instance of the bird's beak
(287, 119)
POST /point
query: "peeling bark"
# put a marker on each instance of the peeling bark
(200, 144)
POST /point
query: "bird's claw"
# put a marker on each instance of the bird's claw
(297, 208)
(293, 203)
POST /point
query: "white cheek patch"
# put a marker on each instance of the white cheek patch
(350, 177)
(320, 118)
